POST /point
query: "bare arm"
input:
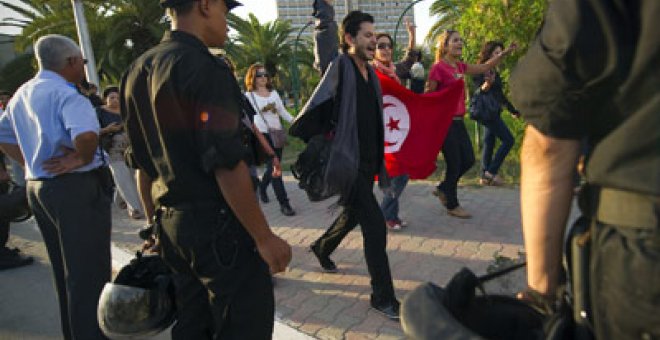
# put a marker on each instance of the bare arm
(490, 63)
(546, 191)
(236, 187)
(431, 86)
(410, 27)
(111, 128)
(85, 144)
(144, 190)
(13, 151)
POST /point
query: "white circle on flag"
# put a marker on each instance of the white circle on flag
(396, 121)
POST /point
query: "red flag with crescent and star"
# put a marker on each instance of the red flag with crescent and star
(416, 126)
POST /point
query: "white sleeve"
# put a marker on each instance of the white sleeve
(281, 110)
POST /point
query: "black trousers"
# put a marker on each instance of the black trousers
(73, 214)
(625, 281)
(278, 184)
(4, 222)
(459, 158)
(223, 287)
(4, 232)
(364, 209)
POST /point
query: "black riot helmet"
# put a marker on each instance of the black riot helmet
(139, 303)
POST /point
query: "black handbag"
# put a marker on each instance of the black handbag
(484, 107)
(309, 168)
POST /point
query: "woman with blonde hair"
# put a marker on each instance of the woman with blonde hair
(457, 149)
(270, 112)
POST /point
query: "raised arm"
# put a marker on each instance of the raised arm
(490, 63)
(326, 39)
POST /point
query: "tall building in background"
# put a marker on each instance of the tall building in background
(385, 12)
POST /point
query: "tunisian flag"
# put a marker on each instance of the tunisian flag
(416, 126)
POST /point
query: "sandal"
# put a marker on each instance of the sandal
(489, 179)
(542, 303)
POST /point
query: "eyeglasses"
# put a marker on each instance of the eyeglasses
(382, 46)
(260, 74)
(73, 60)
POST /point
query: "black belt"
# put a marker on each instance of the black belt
(217, 206)
(627, 209)
(69, 174)
(457, 118)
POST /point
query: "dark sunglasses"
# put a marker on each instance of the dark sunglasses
(260, 74)
(382, 46)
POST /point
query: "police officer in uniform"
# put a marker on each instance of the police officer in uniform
(181, 108)
(593, 73)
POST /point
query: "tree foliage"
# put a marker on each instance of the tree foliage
(272, 45)
(268, 44)
(479, 21)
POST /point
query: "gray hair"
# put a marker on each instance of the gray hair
(53, 50)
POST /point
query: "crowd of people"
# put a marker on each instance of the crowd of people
(180, 144)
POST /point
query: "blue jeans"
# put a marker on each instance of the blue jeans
(495, 129)
(459, 158)
(390, 204)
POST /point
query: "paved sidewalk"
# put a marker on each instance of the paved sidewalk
(324, 306)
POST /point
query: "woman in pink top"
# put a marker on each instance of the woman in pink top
(457, 149)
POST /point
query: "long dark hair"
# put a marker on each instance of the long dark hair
(487, 50)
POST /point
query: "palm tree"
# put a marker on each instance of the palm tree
(269, 44)
(36, 18)
(131, 27)
(449, 13)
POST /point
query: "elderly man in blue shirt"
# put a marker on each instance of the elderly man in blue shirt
(53, 130)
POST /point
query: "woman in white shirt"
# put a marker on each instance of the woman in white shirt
(270, 111)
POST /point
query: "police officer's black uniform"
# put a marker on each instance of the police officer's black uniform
(181, 109)
(593, 72)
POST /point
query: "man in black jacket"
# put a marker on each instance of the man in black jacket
(352, 114)
(182, 111)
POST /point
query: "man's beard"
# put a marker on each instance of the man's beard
(361, 52)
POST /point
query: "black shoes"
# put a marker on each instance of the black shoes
(12, 258)
(326, 263)
(390, 310)
(286, 209)
(263, 195)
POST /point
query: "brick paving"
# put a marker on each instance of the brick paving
(432, 248)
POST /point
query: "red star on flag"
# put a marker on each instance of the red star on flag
(393, 124)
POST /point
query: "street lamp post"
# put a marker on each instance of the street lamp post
(295, 81)
(398, 23)
(85, 43)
